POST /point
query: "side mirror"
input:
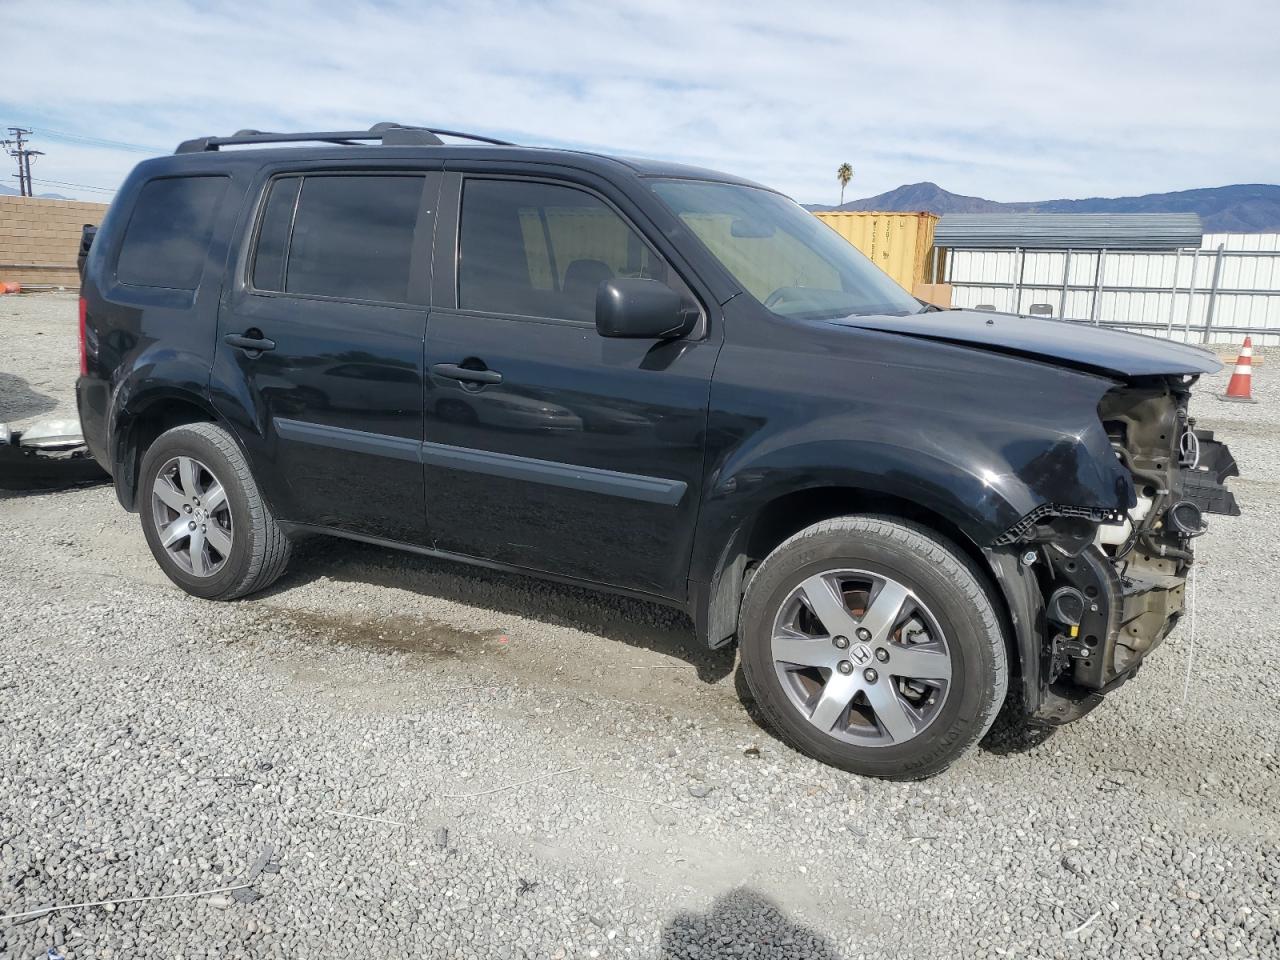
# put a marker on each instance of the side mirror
(641, 309)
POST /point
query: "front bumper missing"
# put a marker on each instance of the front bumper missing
(1123, 606)
(1124, 619)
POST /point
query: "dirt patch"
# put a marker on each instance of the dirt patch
(429, 639)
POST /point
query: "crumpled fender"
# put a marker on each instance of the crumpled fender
(983, 473)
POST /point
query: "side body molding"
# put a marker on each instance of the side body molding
(614, 483)
(356, 441)
(632, 486)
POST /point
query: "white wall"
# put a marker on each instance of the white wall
(1042, 283)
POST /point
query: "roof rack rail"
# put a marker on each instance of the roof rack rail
(388, 134)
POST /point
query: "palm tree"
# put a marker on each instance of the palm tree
(844, 173)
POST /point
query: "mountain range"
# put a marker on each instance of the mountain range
(1238, 208)
(10, 192)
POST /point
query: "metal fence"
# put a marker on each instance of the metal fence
(1227, 288)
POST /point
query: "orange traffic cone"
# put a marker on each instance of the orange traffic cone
(1240, 388)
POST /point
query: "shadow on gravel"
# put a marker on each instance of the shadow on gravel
(742, 923)
(649, 626)
(55, 477)
(1011, 734)
(748, 700)
(18, 401)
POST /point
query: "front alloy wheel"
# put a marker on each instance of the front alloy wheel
(861, 657)
(871, 643)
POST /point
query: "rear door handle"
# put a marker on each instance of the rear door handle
(252, 340)
(466, 374)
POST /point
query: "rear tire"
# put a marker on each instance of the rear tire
(204, 517)
(898, 689)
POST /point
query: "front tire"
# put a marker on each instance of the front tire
(871, 644)
(204, 518)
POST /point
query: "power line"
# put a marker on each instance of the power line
(99, 141)
(77, 186)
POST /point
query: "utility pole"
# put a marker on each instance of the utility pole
(18, 149)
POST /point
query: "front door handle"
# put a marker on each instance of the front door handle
(455, 371)
(251, 340)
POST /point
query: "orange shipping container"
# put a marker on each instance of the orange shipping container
(900, 244)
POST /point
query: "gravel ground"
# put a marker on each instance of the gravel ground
(549, 773)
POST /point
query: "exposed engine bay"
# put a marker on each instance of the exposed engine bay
(1114, 583)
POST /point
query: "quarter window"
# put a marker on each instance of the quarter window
(167, 239)
(273, 235)
(537, 249)
(348, 237)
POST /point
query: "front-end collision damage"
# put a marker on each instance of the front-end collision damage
(1093, 590)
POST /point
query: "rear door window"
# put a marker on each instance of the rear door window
(167, 239)
(346, 237)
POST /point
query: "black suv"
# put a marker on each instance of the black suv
(650, 379)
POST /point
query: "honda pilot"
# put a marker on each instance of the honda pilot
(651, 379)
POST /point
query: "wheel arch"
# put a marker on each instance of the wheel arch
(138, 425)
(716, 607)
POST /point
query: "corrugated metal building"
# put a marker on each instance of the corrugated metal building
(1152, 273)
(1068, 231)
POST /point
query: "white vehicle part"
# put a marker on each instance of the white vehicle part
(52, 435)
(1116, 534)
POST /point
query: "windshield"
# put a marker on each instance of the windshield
(781, 254)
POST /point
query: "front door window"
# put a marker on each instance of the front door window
(542, 250)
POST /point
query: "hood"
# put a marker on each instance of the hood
(1058, 341)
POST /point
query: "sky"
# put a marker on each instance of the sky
(1006, 99)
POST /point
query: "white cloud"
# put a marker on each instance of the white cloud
(1009, 100)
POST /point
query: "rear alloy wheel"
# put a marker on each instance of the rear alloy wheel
(870, 644)
(204, 519)
(190, 510)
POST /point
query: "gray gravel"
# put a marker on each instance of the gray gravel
(156, 744)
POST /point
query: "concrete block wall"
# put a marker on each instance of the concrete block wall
(39, 239)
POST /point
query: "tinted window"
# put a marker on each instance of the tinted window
(783, 256)
(351, 237)
(168, 234)
(536, 249)
(273, 235)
